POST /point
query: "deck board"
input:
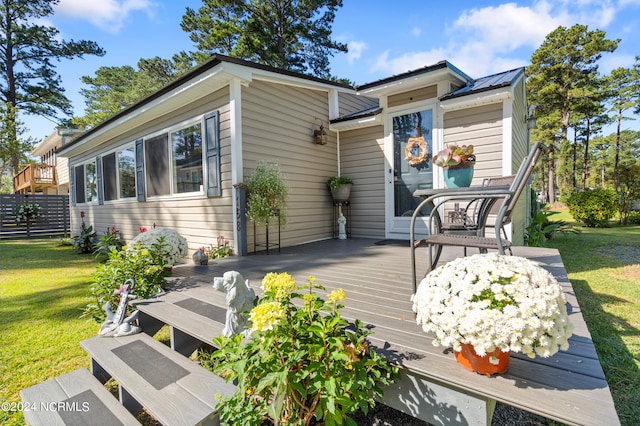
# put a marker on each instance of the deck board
(569, 387)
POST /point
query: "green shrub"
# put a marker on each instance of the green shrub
(110, 241)
(541, 229)
(83, 243)
(304, 364)
(633, 218)
(593, 207)
(143, 265)
(222, 249)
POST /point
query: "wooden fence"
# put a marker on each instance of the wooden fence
(53, 220)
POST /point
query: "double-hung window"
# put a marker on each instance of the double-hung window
(85, 180)
(119, 174)
(174, 161)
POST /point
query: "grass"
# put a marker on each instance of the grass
(604, 268)
(44, 287)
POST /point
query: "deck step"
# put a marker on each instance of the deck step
(172, 388)
(75, 398)
(195, 315)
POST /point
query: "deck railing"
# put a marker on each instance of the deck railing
(35, 177)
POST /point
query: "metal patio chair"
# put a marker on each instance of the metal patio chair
(471, 232)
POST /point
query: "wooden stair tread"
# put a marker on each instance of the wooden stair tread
(73, 398)
(174, 389)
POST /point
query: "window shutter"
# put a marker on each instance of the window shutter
(212, 143)
(72, 184)
(99, 186)
(140, 190)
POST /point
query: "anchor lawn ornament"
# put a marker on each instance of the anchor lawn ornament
(116, 324)
(240, 298)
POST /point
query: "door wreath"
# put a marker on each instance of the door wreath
(412, 144)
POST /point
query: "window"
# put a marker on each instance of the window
(127, 172)
(156, 160)
(118, 171)
(110, 180)
(187, 159)
(173, 162)
(85, 183)
(90, 182)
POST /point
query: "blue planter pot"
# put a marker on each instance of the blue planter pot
(458, 178)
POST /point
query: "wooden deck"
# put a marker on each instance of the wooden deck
(376, 275)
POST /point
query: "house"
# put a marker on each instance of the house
(50, 176)
(175, 158)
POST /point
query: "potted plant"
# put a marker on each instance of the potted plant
(457, 162)
(266, 194)
(340, 187)
(488, 305)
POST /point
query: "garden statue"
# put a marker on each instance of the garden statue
(116, 324)
(200, 258)
(342, 222)
(240, 298)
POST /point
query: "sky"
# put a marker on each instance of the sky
(384, 37)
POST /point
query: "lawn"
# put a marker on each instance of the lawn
(604, 268)
(43, 289)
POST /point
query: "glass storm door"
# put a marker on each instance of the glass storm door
(412, 167)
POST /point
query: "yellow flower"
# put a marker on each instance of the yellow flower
(281, 284)
(336, 296)
(265, 316)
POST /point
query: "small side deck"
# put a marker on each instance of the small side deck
(569, 387)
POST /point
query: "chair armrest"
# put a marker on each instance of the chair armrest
(470, 191)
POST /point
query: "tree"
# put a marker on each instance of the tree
(115, 88)
(293, 35)
(28, 80)
(14, 149)
(560, 71)
(621, 87)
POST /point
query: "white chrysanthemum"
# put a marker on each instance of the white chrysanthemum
(492, 301)
(175, 246)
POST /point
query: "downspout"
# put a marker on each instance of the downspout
(239, 191)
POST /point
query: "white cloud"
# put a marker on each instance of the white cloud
(492, 39)
(355, 50)
(407, 62)
(416, 31)
(109, 15)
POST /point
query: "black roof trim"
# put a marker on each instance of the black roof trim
(211, 63)
(424, 70)
(370, 112)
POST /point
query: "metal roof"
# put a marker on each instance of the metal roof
(490, 82)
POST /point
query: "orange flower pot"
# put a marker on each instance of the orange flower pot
(468, 358)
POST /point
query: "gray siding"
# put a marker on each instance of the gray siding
(363, 161)
(278, 123)
(198, 218)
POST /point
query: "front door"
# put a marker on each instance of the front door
(411, 143)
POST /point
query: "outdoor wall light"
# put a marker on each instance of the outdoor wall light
(320, 135)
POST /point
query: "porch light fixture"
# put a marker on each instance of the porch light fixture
(320, 135)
